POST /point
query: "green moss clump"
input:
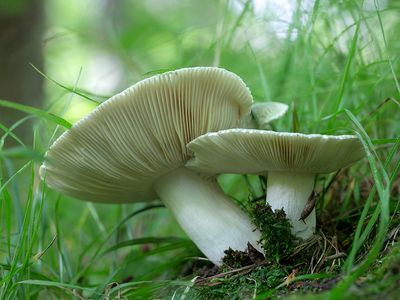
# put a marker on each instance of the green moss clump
(276, 237)
(236, 259)
(242, 285)
(261, 275)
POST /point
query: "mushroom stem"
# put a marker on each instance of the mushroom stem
(206, 214)
(291, 191)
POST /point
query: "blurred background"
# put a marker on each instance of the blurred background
(66, 57)
(101, 47)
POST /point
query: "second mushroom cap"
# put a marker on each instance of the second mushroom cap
(257, 151)
(292, 161)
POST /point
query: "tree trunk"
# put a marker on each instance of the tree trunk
(21, 31)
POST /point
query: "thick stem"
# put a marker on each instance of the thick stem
(291, 191)
(206, 214)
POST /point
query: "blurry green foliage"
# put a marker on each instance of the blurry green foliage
(13, 7)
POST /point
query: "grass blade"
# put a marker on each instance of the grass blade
(344, 80)
(37, 112)
(71, 90)
(141, 241)
(381, 181)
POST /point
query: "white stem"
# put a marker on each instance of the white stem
(291, 191)
(206, 214)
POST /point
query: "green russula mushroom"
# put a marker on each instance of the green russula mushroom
(133, 148)
(292, 161)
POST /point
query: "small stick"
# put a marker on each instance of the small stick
(334, 256)
(246, 268)
(308, 208)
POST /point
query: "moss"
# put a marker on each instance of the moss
(241, 285)
(236, 259)
(276, 236)
(240, 282)
(383, 282)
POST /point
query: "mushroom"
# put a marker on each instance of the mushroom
(266, 112)
(133, 148)
(292, 161)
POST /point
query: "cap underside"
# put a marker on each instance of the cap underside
(258, 151)
(117, 152)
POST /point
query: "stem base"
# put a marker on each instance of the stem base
(206, 214)
(291, 191)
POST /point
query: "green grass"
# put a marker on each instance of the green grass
(336, 65)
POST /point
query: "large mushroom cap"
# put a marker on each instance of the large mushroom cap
(117, 152)
(258, 151)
